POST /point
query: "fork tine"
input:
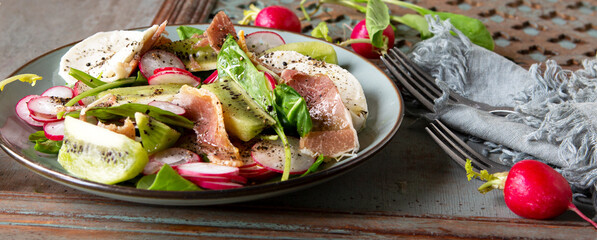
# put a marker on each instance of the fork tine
(424, 96)
(416, 72)
(460, 149)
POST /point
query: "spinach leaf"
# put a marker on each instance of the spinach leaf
(43, 144)
(377, 20)
(167, 179)
(321, 31)
(292, 109)
(186, 32)
(233, 63)
(101, 88)
(129, 110)
(89, 80)
(416, 22)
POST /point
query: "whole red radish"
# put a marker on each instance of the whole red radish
(366, 49)
(278, 17)
(532, 189)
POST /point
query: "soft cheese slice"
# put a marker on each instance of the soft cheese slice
(349, 87)
(113, 55)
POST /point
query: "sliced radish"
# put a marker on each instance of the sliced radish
(170, 156)
(174, 77)
(59, 91)
(45, 107)
(258, 42)
(168, 106)
(218, 185)
(157, 70)
(231, 178)
(270, 155)
(157, 58)
(211, 78)
(80, 87)
(23, 111)
(44, 119)
(54, 130)
(270, 79)
(202, 169)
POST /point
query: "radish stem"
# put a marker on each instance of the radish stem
(573, 208)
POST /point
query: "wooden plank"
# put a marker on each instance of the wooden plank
(47, 212)
(184, 11)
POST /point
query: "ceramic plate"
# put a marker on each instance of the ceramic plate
(385, 115)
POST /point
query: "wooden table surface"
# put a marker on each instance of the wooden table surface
(408, 189)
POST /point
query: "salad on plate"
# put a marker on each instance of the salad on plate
(217, 109)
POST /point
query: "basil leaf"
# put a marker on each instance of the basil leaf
(186, 32)
(43, 144)
(321, 31)
(292, 109)
(129, 110)
(377, 20)
(167, 179)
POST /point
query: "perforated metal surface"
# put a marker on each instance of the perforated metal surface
(526, 32)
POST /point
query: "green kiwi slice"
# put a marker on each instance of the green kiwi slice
(98, 154)
(155, 135)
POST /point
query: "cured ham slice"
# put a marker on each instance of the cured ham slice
(333, 134)
(205, 110)
(217, 31)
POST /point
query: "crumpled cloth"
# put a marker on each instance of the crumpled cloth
(556, 119)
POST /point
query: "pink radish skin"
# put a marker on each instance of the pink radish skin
(203, 169)
(211, 78)
(59, 91)
(54, 130)
(278, 17)
(43, 119)
(231, 178)
(366, 49)
(534, 190)
(174, 77)
(80, 87)
(218, 185)
(23, 111)
(168, 106)
(44, 106)
(260, 41)
(170, 156)
(270, 155)
(155, 59)
(270, 79)
(157, 70)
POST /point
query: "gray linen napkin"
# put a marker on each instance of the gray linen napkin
(556, 119)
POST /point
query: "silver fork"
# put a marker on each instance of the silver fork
(459, 151)
(422, 85)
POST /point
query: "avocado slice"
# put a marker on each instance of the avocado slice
(243, 118)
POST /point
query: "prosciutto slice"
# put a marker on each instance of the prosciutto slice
(217, 31)
(204, 108)
(333, 134)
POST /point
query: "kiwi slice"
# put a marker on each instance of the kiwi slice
(243, 118)
(317, 50)
(203, 58)
(155, 135)
(98, 154)
(142, 94)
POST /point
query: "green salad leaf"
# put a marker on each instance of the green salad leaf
(292, 109)
(314, 166)
(186, 32)
(89, 80)
(167, 179)
(43, 144)
(377, 20)
(321, 31)
(129, 110)
(234, 64)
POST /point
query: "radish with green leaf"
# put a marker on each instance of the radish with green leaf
(373, 35)
(532, 189)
